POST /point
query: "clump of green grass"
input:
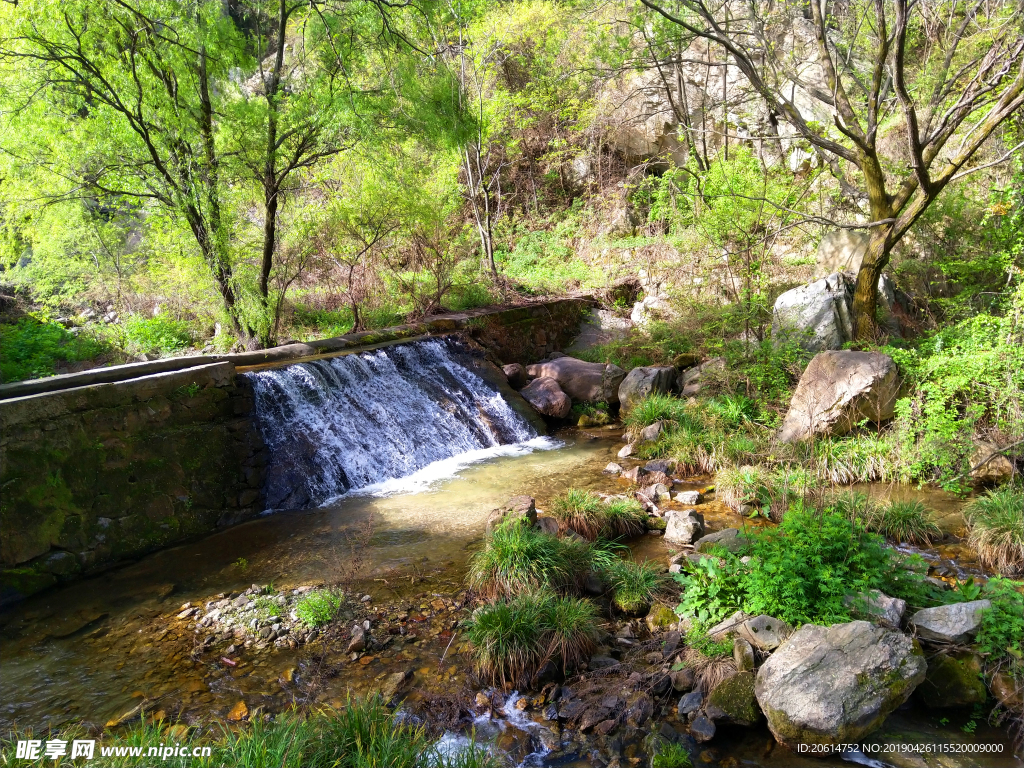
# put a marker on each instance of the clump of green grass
(634, 586)
(580, 511)
(318, 607)
(266, 606)
(670, 754)
(996, 525)
(518, 559)
(904, 520)
(512, 639)
(623, 518)
(655, 407)
(863, 458)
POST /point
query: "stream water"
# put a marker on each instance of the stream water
(94, 651)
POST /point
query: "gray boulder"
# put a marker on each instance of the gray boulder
(688, 497)
(832, 685)
(877, 607)
(730, 538)
(765, 633)
(692, 380)
(521, 508)
(516, 375)
(953, 682)
(582, 381)
(599, 327)
(955, 623)
(650, 433)
(644, 381)
(683, 527)
(838, 390)
(817, 315)
(547, 398)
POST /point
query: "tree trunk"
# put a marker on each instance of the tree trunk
(865, 294)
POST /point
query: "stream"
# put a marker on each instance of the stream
(94, 651)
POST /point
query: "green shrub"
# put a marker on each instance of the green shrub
(31, 349)
(800, 572)
(996, 525)
(634, 586)
(518, 559)
(156, 334)
(769, 492)
(318, 607)
(1001, 633)
(512, 639)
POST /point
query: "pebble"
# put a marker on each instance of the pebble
(365, 599)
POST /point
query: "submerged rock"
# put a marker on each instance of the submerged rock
(547, 398)
(837, 391)
(955, 623)
(831, 685)
(953, 681)
(702, 729)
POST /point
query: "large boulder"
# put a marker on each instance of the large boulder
(838, 390)
(582, 381)
(683, 527)
(516, 374)
(834, 685)
(599, 327)
(990, 465)
(730, 538)
(954, 623)
(842, 251)
(644, 381)
(817, 315)
(544, 394)
(691, 381)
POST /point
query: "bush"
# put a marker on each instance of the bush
(800, 572)
(518, 559)
(996, 525)
(1001, 633)
(156, 334)
(512, 639)
(623, 518)
(634, 586)
(30, 349)
(319, 607)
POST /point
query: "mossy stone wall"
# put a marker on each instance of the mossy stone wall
(98, 474)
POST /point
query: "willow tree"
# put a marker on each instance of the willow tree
(939, 76)
(209, 112)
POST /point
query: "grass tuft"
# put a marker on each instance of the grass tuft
(580, 511)
(319, 607)
(996, 525)
(634, 586)
(623, 518)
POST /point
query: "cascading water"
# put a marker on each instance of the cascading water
(344, 423)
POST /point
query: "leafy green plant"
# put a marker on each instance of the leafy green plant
(156, 334)
(1001, 633)
(31, 348)
(518, 559)
(318, 607)
(266, 606)
(633, 585)
(996, 524)
(241, 564)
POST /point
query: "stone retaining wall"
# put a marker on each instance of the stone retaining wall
(106, 472)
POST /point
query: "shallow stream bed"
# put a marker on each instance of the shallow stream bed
(95, 651)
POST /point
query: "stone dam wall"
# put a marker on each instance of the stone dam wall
(103, 466)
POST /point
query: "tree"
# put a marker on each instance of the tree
(140, 101)
(967, 78)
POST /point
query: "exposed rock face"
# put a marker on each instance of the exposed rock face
(842, 251)
(764, 632)
(953, 681)
(599, 327)
(996, 467)
(691, 381)
(516, 375)
(816, 315)
(956, 623)
(829, 685)
(733, 700)
(544, 394)
(517, 508)
(838, 390)
(683, 527)
(582, 381)
(643, 381)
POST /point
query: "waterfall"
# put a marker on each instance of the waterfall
(339, 424)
